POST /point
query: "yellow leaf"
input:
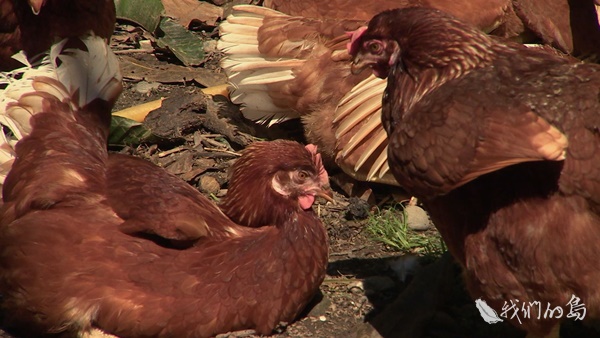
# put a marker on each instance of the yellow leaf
(138, 113)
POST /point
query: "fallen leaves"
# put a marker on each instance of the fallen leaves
(138, 113)
(169, 21)
(188, 11)
(156, 71)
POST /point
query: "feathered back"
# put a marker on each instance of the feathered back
(79, 74)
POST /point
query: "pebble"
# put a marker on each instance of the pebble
(144, 87)
(209, 185)
(417, 218)
(356, 287)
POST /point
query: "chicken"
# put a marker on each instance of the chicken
(284, 67)
(570, 26)
(32, 27)
(501, 144)
(488, 15)
(78, 252)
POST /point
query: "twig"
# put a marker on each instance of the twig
(212, 142)
(223, 151)
(136, 50)
(340, 281)
(171, 151)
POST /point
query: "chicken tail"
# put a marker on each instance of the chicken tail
(255, 78)
(13, 84)
(63, 107)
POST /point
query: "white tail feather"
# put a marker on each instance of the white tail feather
(70, 74)
(251, 75)
(378, 139)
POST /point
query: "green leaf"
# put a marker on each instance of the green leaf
(124, 131)
(146, 13)
(186, 46)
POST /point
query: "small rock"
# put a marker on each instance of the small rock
(356, 287)
(222, 193)
(209, 185)
(417, 218)
(323, 318)
(357, 209)
(377, 284)
(144, 87)
(210, 46)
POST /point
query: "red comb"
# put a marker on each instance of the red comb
(323, 176)
(353, 37)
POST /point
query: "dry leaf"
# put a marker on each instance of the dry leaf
(155, 71)
(138, 113)
(186, 11)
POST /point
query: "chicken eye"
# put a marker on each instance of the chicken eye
(374, 47)
(302, 175)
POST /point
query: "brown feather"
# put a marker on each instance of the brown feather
(313, 38)
(501, 143)
(318, 80)
(89, 239)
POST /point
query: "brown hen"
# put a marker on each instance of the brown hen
(77, 251)
(501, 142)
(487, 15)
(282, 67)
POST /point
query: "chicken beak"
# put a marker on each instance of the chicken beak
(36, 6)
(358, 65)
(326, 194)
